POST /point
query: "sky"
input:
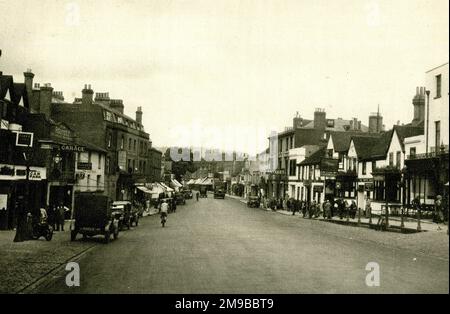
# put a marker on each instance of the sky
(225, 73)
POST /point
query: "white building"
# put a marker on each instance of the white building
(427, 155)
(90, 170)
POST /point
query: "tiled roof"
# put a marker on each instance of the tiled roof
(6, 83)
(404, 131)
(373, 148)
(315, 158)
(20, 92)
(339, 125)
(341, 140)
(309, 137)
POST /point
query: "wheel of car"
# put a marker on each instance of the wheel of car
(49, 235)
(73, 235)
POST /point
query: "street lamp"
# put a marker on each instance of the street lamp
(386, 200)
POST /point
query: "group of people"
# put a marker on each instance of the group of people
(313, 209)
(56, 216)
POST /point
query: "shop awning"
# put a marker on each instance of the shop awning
(175, 181)
(190, 182)
(207, 181)
(168, 189)
(144, 189)
(157, 188)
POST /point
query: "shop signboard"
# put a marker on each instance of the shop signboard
(72, 148)
(24, 139)
(84, 165)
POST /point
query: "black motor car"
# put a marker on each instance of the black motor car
(127, 213)
(219, 193)
(253, 201)
(187, 194)
(179, 199)
(93, 216)
(203, 191)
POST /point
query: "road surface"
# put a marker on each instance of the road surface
(221, 246)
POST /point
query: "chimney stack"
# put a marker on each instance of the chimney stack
(58, 95)
(375, 122)
(117, 104)
(297, 121)
(320, 119)
(419, 106)
(87, 95)
(45, 99)
(139, 115)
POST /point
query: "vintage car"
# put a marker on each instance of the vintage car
(219, 193)
(128, 214)
(203, 191)
(253, 201)
(179, 199)
(93, 216)
(187, 194)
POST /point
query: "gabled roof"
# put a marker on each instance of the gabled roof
(315, 158)
(20, 93)
(404, 131)
(6, 84)
(374, 148)
(341, 140)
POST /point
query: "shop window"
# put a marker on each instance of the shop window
(412, 152)
(391, 159)
(364, 167)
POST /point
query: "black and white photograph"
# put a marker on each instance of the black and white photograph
(224, 151)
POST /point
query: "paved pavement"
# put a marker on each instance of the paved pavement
(24, 263)
(394, 221)
(221, 246)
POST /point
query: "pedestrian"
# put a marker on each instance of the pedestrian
(21, 212)
(327, 209)
(335, 208)
(197, 195)
(353, 209)
(3, 218)
(60, 217)
(303, 208)
(174, 204)
(368, 209)
(438, 214)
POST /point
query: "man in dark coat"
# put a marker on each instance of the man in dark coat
(21, 230)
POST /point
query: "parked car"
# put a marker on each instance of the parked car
(127, 213)
(219, 193)
(93, 216)
(187, 194)
(203, 191)
(179, 199)
(253, 201)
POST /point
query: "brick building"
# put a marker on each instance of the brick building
(101, 121)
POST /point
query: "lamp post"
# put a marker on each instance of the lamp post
(386, 218)
(403, 186)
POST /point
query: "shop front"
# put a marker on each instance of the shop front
(365, 192)
(387, 189)
(13, 186)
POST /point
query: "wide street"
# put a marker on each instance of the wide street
(221, 246)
